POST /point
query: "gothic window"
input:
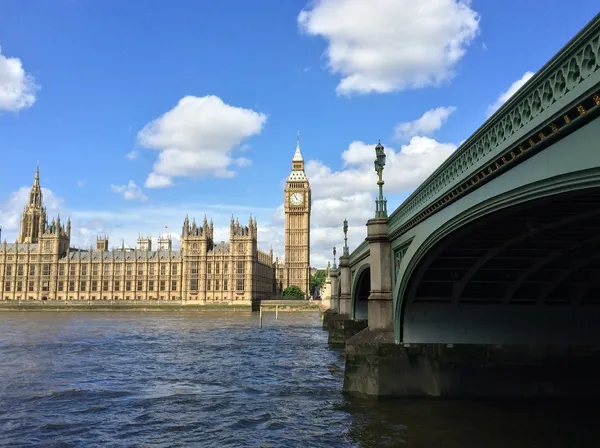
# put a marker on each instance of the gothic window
(194, 268)
(174, 269)
(31, 286)
(105, 285)
(216, 285)
(127, 285)
(194, 284)
(19, 286)
(195, 247)
(82, 285)
(240, 267)
(61, 269)
(151, 269)
(83, 270)
(225, 268)
(208, 285)
(140, 270)
(106, 269)
(117, 270)
(94, 285)
(6, 286)
(163, 285)
(9, 271)
(225, 285)
(139, 285)
(163, 270)
(117, 285)
(94, 269)
(150, 285)
(208, 268)
(240, 284)
(32, 269)
(128, 268)
(61, 285)
(20, 269)
(217, 267)
(72, 270)
(173, 285)
(72, 285)
(47, 245)
(241, 247)
(46, 269)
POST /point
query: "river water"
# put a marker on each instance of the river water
(216, 380)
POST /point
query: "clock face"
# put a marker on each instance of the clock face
(296, 198)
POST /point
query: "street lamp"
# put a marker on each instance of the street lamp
(345, 237)
(334, 252)
(381, 202)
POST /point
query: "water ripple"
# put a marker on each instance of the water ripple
(216, 380)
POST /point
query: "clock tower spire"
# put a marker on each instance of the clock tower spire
(297, 207)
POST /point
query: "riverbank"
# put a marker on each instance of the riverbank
(150, 306)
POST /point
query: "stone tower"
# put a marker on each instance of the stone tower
(33, 219)
(297, 203)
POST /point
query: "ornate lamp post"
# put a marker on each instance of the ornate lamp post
(381, 202)
(334, 252)
(346, 237)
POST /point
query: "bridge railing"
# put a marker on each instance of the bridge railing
(570, 74)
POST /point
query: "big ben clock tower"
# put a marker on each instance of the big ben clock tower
(297, 225)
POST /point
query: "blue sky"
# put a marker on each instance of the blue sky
(85, 86)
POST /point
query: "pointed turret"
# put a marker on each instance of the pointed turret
(297, 174)
(298, 155)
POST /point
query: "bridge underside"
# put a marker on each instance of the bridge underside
(361, 295)
(529, 274)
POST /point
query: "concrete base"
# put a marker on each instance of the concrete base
(377, 367)
(342, 327)
(328, 316)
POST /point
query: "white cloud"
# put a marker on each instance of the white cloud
(242, 161)
(157, 181)
(197, 137)
(514, 87)
(404, 170)
(427, 124)
(390, 45)
(130, 192)
(132, 155)
(17, 88)
(80, 183)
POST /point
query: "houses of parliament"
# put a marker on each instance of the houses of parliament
(42, 265)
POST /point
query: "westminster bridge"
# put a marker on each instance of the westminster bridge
(485, 281)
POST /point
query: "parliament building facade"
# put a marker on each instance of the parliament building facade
(42, 265)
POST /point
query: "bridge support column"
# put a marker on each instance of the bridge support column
(342, 326)
(333, 301)
(364, 363)
(346, 286)
(381, 317)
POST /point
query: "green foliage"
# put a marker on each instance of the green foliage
(318, 279)
(293, 292)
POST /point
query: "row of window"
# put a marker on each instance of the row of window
(95, 267)
(239, 285)
(163, 271)
(162, 285)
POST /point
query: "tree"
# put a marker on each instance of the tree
(293, 292)
(318, 279)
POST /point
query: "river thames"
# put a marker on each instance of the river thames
(213, 379)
